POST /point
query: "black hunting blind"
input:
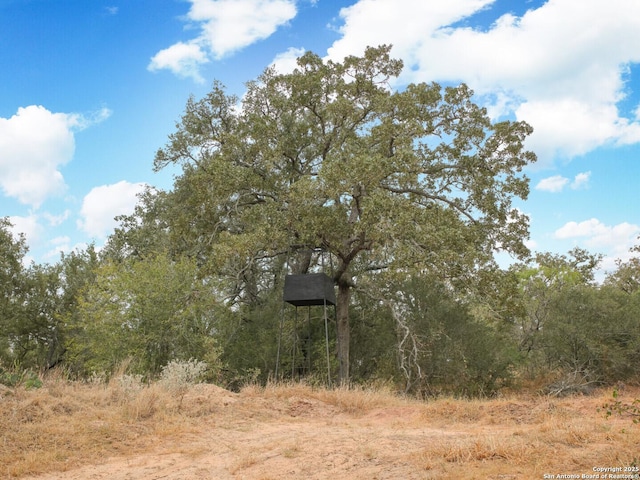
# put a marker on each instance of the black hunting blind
(308, 290)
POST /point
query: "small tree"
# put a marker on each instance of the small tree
(153, 311)
(330, 157)
(542, 283)
(38, 302)
(12, 289)
(569, 323)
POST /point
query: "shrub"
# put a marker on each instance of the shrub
(178, 374)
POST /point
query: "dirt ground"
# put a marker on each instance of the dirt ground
(292, 435)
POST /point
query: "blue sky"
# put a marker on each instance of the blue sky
(89, 90)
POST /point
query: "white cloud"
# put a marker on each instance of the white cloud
(597, 234)
(229, 25)
(34, 144)
(105, 202)
(581, 180)
(85, 121)
(55, 220)
(587, 228)
(59, 245)
(558, 182)
(287, 61)
(225, 26)
(559, 67)
(552, 184)
(183, 59)
(407, 24)
(568, 127)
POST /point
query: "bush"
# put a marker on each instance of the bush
(178, 375)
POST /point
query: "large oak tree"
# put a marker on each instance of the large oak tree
(331, 157)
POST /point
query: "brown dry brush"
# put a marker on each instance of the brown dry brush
(65, 424)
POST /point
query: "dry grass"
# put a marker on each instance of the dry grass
(128, 430)
(66, 424)
(355, 401)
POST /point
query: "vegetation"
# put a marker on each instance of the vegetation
(622, 408)
(329, 158)
(401, 197)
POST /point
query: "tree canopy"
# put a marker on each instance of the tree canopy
(330, 157)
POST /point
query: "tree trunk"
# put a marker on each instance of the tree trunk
(343, 330)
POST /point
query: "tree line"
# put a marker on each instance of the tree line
(401, 197)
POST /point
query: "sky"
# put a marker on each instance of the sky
(90, 90)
